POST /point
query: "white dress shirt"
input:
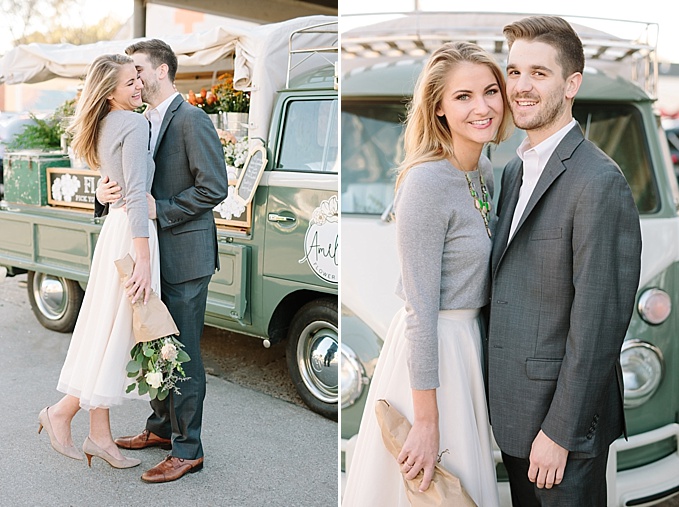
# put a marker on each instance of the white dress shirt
(155, 116)
(534, 161)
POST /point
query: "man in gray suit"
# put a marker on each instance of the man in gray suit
(190, 180)
(565, 270)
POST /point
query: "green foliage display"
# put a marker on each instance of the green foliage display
(40, 135)
(44, 134)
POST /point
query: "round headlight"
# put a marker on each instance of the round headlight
(642, 371)
(352, 377)
(655, 306)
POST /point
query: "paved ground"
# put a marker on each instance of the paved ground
(243, 360)
(260, 450)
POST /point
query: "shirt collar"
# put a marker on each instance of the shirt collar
(545, 149)
(161, 108)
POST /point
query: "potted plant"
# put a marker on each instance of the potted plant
(230, 106)
(235, 106)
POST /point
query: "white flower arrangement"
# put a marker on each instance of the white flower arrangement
(235, 152)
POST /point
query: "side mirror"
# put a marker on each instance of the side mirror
(250, 175)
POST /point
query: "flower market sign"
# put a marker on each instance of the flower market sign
(74, 188)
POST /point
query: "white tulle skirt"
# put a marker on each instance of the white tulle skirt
(374, 478)
(94, 369)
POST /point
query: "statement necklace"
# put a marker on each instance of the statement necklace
(481, 202)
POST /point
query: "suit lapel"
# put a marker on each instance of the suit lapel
(169, 114)
(551, 172)
(511, 185)
(555, 166)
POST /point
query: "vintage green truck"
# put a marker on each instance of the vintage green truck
(279, 258)
(615, 108)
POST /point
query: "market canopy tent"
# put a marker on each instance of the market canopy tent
(257, 56)
(34, 63)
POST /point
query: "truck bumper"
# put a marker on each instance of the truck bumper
(642, 486)
(648, 484)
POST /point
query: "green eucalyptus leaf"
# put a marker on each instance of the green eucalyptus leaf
(130, 388)
(143, 387)
(153, 392)
(133, 366)
(162, 395)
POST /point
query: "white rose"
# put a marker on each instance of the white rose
(168, 352)
(154, 379)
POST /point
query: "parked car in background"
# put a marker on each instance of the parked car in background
(380, 65)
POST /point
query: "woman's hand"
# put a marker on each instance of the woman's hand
(152, 206)
(139, 284)
(420, 452)
(421, 448)
(150, 203)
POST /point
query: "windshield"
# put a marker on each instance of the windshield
(372, 147)
(309, 142)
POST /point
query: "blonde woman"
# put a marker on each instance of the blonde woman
(114, 139)
(430, 368)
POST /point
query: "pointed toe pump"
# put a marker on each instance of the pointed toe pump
(91, 449)
(44, 422)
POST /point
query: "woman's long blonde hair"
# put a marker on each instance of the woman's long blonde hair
(93, 106)
(427, 136)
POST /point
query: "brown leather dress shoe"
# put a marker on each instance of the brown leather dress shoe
(143, 440)
(171, 469)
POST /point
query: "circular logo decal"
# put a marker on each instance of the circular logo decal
(321, 243)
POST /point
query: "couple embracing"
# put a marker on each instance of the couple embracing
(161, 189)
(556, 264)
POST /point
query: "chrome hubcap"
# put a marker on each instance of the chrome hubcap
(51, 295)
(318, 360)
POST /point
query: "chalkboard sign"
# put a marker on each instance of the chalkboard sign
(251, 174)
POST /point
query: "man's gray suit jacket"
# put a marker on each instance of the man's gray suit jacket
(189, 181)
(563, 292)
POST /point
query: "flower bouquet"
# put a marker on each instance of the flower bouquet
(157, 357)
(156, 367)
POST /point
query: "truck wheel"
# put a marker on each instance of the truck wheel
(312, 355)
(55, 300)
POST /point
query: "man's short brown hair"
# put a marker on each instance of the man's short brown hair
(556, 32)
(159, 52)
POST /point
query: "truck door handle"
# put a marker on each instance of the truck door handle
(275, 217)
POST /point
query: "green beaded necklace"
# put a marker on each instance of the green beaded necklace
(482, 202)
